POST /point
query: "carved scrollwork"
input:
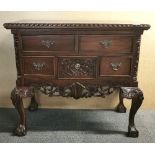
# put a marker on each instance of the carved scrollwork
(103, 91)
(131, 93)
(77, 67)
(23, 92)
(136, 58)
(16, 46)
(48, 89)
(75, 90)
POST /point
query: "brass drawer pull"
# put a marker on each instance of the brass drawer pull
(38, 66)
(47, 43)
(105, 43)
(116, 66)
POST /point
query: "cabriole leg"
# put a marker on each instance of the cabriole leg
(17, 95)
(33, 104)
(120, 107)
(137, 98)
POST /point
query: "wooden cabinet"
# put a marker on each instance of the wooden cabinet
(76, 60)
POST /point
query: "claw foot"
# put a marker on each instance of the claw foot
(121, 108)
(132, 132)
(20, 130)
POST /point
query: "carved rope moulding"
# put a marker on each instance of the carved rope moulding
(74, 25)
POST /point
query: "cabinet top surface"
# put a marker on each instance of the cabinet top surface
(43, 24)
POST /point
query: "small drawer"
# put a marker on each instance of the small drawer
(39, 65)
(105, 43)
(115, 66)
(48, 43)
(77, 67)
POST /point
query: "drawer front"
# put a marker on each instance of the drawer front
(38, 65)
(48, 43)
(103, 43)
(77, 67)
(115, 66)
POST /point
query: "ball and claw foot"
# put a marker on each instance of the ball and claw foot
(20, 130)
(132, 132)
(121, 108)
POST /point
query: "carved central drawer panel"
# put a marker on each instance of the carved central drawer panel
(105, 43)
(39, 65)
(48, 43)
(77, 67)
(115, 66)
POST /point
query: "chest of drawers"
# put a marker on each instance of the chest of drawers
(76, 60)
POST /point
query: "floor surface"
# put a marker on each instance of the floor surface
(77, 126)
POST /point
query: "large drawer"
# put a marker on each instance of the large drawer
(38, 66)
(105, 43)
(77, 67)
(113, 66)
(48, 43)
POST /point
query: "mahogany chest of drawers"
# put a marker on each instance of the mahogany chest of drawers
(76, 60)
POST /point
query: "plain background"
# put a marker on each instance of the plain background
(146, 74)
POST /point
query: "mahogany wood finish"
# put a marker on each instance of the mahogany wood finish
(38, 66)
(104, 43)
(76, 60)
(118, 66)
(48, 43)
